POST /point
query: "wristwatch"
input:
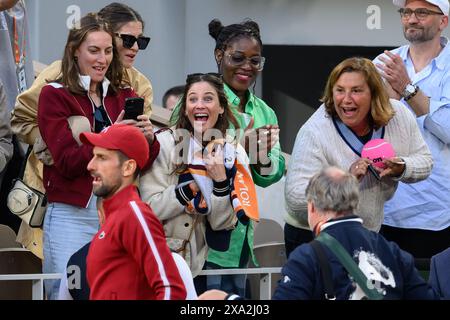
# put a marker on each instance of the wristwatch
(410, 91)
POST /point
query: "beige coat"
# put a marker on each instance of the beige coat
(157, 188)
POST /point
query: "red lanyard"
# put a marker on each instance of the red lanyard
(16, 40)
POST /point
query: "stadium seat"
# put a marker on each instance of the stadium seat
(17, 261)
(8, 237)
(268, 231)
(268, 255)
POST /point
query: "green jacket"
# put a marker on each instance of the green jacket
(231, 257)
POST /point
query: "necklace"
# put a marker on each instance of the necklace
(17, 14)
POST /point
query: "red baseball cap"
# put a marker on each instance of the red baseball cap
(125, 138)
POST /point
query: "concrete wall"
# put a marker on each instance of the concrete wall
(180, 42)
(163, 62)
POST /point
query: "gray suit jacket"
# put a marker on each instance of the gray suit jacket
(440, 275)
(6, 146)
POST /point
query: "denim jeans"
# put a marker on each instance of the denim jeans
(231, 283)
(66, 229)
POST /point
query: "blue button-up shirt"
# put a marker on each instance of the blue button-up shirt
(426, 204)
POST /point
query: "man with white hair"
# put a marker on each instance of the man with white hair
(418, 216)
(333, 195)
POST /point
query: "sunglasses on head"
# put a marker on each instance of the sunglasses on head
(128, 41)
(192, 76)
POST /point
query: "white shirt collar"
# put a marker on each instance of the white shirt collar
(328, 224)
(85, 82)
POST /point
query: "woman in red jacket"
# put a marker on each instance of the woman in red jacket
(89, 91)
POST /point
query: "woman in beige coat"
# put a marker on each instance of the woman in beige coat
(204, 108)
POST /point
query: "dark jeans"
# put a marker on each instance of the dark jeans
(293, 237)
(420, 243)
(200, 284)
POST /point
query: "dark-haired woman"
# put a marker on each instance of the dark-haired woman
(191, 208)
(129, 25)
(238, 54)
(91, 90)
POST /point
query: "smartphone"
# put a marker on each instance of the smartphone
(134, 107)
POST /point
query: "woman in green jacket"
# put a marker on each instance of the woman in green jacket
(239, 60)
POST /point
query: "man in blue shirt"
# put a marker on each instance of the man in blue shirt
(418, 216)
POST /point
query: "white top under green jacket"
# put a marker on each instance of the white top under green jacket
(318, 144)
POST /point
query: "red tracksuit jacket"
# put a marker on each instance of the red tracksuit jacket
(128, 258)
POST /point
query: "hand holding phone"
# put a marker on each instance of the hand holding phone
(134, 107)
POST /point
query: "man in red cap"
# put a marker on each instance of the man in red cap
(128, 257)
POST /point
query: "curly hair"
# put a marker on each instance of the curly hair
(224, 35)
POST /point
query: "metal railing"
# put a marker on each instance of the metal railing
(37, 281)
(265, 280)
(265, 289)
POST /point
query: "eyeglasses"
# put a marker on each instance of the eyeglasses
(128, 41)
(420, 13)
(238, 59)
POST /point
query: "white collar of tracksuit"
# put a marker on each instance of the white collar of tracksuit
(85, 82)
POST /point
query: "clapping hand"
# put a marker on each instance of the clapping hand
(259, 141)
